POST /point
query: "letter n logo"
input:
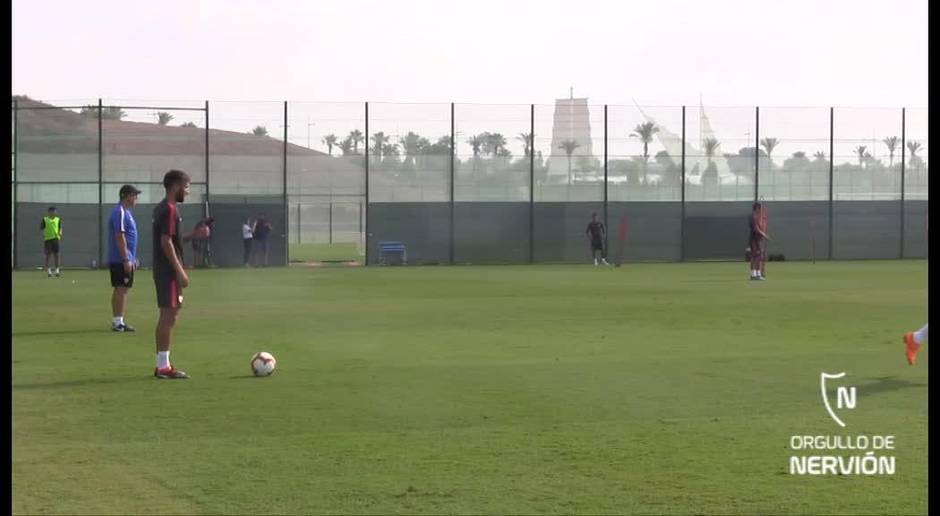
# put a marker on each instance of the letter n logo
(845, 396)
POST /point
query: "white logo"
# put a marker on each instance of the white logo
(841, 454)
(845, 397)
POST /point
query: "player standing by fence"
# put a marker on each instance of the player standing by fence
(757, 238)
(51, 227)
(597, 233)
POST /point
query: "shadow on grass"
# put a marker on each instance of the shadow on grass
(888, 384)
(86, 381)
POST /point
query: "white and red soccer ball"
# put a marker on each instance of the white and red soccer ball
(263, 364)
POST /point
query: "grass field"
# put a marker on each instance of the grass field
(324, 252)
(653, 388)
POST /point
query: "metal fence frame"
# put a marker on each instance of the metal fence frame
(16, 108)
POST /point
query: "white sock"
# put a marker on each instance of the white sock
(50, 270)
(753, 273)
(117, 321)
(920, 335)
(595, 261)
(163, 359)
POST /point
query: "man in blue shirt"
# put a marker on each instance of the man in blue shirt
(122, 254)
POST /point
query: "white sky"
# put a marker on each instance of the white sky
(663, 52)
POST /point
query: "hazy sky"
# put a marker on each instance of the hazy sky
(664, 52)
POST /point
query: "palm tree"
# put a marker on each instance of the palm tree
(915, 161)
(378, 142)
(860, 151)
(769, 144)
(497, 142)
(892, 144)
(260, 131)
(569, 146)
(526, 140)
(799, 155)
(711, 147)
(476, 143)
(163, 117)
(346, 146)
(188, 124)
(412, 145)
(820, 155)
(390, 149)
(645, 132)
(356, 136)
(330, 141)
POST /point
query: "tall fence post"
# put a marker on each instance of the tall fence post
(367, 184)
(331, 222)
(832, 159)
(531, 183)
(286, 206)
(100, 180)
(682, 191)
(903, 142)
(299, 234)
(16, 248)
(606, 223)
(453, 152)
(207, 151)
(756, 154)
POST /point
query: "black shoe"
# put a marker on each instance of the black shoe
(170, 373)
(122, 328)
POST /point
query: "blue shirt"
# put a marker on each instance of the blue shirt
(121, 221)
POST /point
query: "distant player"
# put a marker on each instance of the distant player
(122, 254)
(913, 340)
(260, 234)
(200, 242)
(247, 236)
(51, 227)
(757, 242)
(169, 276)
(597, 233)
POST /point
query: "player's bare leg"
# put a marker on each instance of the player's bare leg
(118, 306)
(755, 261)
(763, 258)
(164, 337)
(913, 341)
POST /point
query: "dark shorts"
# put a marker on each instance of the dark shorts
(169, 295)
(120, 278)
(757, 246)
(597, 245)
(51, 246)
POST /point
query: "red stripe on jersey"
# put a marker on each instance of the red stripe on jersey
(174, 297)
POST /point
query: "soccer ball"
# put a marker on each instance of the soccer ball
(263, 364)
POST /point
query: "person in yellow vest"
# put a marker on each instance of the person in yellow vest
(51, 227)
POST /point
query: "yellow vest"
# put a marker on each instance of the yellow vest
(51, 228)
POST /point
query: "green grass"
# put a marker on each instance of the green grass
(653, 389)
(324, 252)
